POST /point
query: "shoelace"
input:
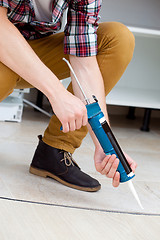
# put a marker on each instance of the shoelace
(68, 160)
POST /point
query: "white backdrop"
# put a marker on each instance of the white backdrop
(139, 13)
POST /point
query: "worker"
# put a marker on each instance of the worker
(31, 52)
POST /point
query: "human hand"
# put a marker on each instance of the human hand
(70, 110)
(107, 165)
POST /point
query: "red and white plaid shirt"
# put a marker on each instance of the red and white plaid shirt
(80, 31)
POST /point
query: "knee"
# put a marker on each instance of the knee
(116, 37)
(7, 81)
(5, 91)
(126, 42)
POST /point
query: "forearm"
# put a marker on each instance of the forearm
(89, 75)
(19, 56)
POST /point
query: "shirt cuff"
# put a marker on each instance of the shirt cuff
(4, 4)
(81, 45)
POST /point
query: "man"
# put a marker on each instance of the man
(31, 55)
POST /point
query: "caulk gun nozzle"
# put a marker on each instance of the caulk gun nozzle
(132, 188)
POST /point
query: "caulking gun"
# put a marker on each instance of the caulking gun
(106, 137)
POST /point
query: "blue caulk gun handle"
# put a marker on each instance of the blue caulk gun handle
(107, 140)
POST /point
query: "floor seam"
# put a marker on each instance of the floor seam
(80, 208)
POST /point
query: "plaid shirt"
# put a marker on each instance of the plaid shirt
(80, 31)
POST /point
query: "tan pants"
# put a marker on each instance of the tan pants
(115, 50)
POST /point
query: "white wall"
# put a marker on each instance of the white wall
(140, 13)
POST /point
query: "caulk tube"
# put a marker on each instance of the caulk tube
(107, 140)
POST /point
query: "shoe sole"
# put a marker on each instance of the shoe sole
(45, 174)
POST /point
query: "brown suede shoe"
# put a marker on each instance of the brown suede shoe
(59, 165)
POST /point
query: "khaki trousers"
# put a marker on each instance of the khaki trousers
(115, 50)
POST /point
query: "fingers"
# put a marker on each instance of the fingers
(85, 119)
(109, 167)
(76, 121)
(65, 127)
(133, 166)
(101, 166)
(116, 179)
(131, 162)
(72, 125)
(110, 164)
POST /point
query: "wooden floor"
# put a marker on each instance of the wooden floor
(32, 207)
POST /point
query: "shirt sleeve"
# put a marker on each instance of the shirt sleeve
(5, 3)
(80, 31)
